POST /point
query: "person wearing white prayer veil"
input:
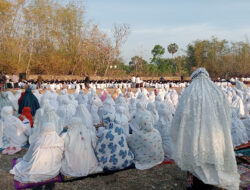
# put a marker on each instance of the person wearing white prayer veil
(40, 111)
(66, 111)
(240, 85)
(163, 126)
(246, 122)
(146, 143)
(122, 119)
(108, 106)
(201, 141)
(153, 111)
(43, 159)
(238, 131)
(15, 133)
(5, 101)
(82, 98)
(79, 156)
(83, 113)
(238, 104)
(49, 115)
(94, 103)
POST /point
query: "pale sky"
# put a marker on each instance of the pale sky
(177, 21)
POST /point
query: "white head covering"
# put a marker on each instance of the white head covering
(43, 159)
(13, 129)
(79, 157)
(201, 135)
(146, 143)
(83, 113)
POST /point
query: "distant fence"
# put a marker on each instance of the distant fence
(76, 77)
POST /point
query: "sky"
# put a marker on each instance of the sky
(177, 21)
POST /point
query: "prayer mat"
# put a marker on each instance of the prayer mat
(19, 185)
(167, 162)
(25, 146)
(243, 146)
(104, 173)
(244, 171)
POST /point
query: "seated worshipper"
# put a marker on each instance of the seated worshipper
(146, 143)
(26, 117)
(15, 133)
(83, 113)
(79, 156)
(5, 101)
(94, 103)
(43, 159)
(163, 126)
(201, 141)
(40, 111)
(108, 106)
(29, 100)
(112, 150)
(49, 115)
(122, 119)
(153, 111)
(238, 131)
(66, 111)
(82, 98)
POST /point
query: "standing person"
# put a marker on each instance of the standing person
(137, 81)
(133, 81)
(201, 140)
(87, 81)
(15, 80)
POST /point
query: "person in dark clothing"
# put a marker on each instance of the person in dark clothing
(87, 81)
(28, 99)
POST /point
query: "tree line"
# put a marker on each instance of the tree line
(54, 38)
(220, 57)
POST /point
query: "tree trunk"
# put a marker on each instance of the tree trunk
(31, 51)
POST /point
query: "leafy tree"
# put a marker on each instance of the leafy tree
(157, 52)
(173, 48)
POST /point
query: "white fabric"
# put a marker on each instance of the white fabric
(146, 143)
(14, 130)
(83, 113)
(246, 122)
(66, 111)
(121, 118)
(79, 157)
(43, 159)
(163, 126)
(201, 135)
(238, 131)
(49, 115)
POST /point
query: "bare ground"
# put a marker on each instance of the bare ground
(168, 177)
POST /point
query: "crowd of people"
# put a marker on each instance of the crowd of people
(84, 133)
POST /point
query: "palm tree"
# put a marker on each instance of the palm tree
(173, 48)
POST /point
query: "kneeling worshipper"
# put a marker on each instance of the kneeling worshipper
(238, 130)
(15, 133)
(50, 116)
(26, 117)
(112, 150)
(28, 100)
(146, 143)
(43, 159)
(201, 141)
(83, 113)
(163, 126)
(5, 101)
(79, 156)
